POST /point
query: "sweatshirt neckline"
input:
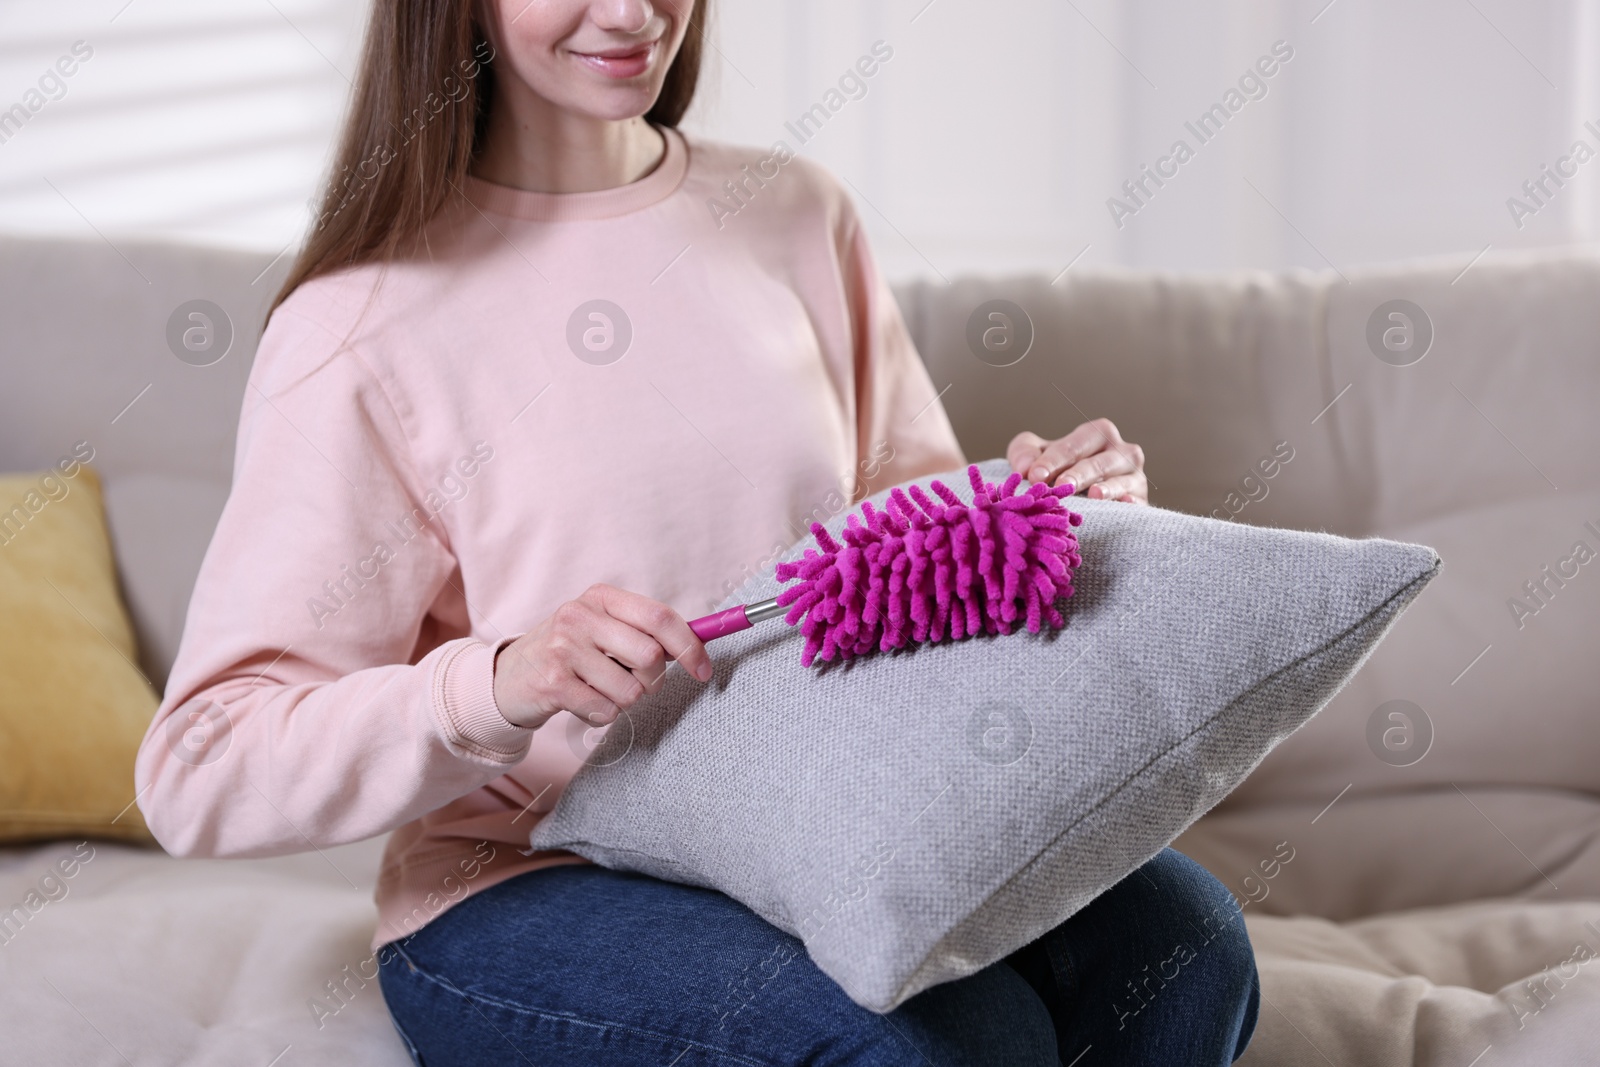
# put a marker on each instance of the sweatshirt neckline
(599, 204)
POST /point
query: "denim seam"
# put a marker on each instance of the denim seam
(523, 1009)
(1062, 969)
(411, 1046)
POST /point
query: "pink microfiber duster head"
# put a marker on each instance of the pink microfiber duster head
(921, 570)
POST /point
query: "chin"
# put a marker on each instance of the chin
(618, 105)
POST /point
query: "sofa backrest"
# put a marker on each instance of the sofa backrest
(87, 359)
(1482, 708)
(1485, 448)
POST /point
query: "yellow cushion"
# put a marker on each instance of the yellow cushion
(73, 705)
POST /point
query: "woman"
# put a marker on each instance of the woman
(525, 403)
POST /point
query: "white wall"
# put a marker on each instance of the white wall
(193, 119)
(994, 137)
(990, 141)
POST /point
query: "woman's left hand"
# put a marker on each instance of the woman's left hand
(1094, 458)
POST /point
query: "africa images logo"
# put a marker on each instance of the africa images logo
(1399, 333)
(599, 332)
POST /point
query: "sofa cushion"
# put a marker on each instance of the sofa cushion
(160, 527)
(917, 815)
(1491, 982)
(73, 707)
(136, 957)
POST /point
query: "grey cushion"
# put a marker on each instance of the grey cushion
(917, 815)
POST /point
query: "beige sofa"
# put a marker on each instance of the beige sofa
(1400, 905)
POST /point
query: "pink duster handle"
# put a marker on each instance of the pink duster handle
(733, 620)
(721, 624)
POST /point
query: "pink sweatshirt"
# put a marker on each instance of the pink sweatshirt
(433, 455)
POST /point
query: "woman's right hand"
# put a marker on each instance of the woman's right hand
(595, 656)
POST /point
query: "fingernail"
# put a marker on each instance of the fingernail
(703, 672)
(1038, 474)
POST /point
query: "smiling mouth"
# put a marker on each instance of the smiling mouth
(620, 63)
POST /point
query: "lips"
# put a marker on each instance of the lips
(620, 62)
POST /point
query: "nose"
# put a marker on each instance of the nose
(631, 17)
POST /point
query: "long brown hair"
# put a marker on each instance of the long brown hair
(417, 120)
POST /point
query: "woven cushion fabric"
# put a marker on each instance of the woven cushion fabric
(73, 707)
(917, 815)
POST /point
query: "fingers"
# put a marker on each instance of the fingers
(534, 681)
(1060, 457)
(1023, 451)
(637, 652)
(652, 617)
(1090, 455)
(1130, 488)
(593, 657)
(604, 688)
(1118, 459)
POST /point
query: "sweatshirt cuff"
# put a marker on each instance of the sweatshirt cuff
(466, 702)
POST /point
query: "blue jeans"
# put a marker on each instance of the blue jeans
(582, 966)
